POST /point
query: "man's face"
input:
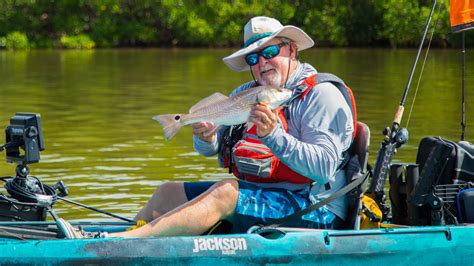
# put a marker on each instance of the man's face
(273, 71)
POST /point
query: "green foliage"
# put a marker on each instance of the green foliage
(324, 22)
(218, 23)
(402, 22)
(362, 22)
(15, 41)
(81, 41)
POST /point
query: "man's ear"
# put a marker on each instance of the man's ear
(293, 51)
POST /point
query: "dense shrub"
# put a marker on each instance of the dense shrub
(81, 41)
(15, 41)
(218, 23)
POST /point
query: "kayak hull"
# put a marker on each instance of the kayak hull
(425, 245)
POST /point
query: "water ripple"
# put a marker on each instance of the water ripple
(131, 159)
(117, 168)
(63, 159)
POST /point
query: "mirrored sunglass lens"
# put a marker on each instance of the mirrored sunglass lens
(252, 59)
(270, 51)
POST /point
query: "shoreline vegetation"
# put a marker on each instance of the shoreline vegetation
(87, 24)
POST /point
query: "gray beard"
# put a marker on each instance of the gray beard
(275, 81)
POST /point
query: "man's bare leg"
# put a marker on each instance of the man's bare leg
(165, 198)
(195, 216)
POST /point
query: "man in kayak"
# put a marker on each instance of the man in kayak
(285, 160)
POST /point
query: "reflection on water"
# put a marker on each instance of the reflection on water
(97, 106)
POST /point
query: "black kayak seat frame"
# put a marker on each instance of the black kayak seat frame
(360, 147)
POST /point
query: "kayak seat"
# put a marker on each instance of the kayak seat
(359, 154)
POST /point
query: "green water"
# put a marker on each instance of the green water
(97, 106)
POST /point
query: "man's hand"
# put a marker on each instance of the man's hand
(263, 118)
(205, 131)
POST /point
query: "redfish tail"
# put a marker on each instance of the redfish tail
(171, 124)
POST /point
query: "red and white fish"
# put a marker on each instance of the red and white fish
(223, 110)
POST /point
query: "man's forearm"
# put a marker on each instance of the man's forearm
(205, 148)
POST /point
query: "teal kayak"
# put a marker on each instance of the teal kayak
(428, 245)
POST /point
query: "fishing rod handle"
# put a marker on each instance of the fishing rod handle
(399, 115)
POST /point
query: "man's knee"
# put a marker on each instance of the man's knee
(228, 188)
(226, 193)
(168, 196)
(170, 190)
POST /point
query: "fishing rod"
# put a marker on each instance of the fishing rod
(79, 223)
(395, 137)
(96, 210)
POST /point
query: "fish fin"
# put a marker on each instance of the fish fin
(170, 124)
(216, 97)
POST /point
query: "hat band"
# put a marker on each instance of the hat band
(257, 37)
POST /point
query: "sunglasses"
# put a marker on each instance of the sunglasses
(268, 53)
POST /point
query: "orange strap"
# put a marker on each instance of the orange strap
(310, 82)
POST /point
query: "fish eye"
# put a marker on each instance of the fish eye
(177, 117)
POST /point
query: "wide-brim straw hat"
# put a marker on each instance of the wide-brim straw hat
(259, 31)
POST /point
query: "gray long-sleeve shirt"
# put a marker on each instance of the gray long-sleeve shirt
(320, 128)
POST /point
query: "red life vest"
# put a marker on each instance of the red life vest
(251, 160)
